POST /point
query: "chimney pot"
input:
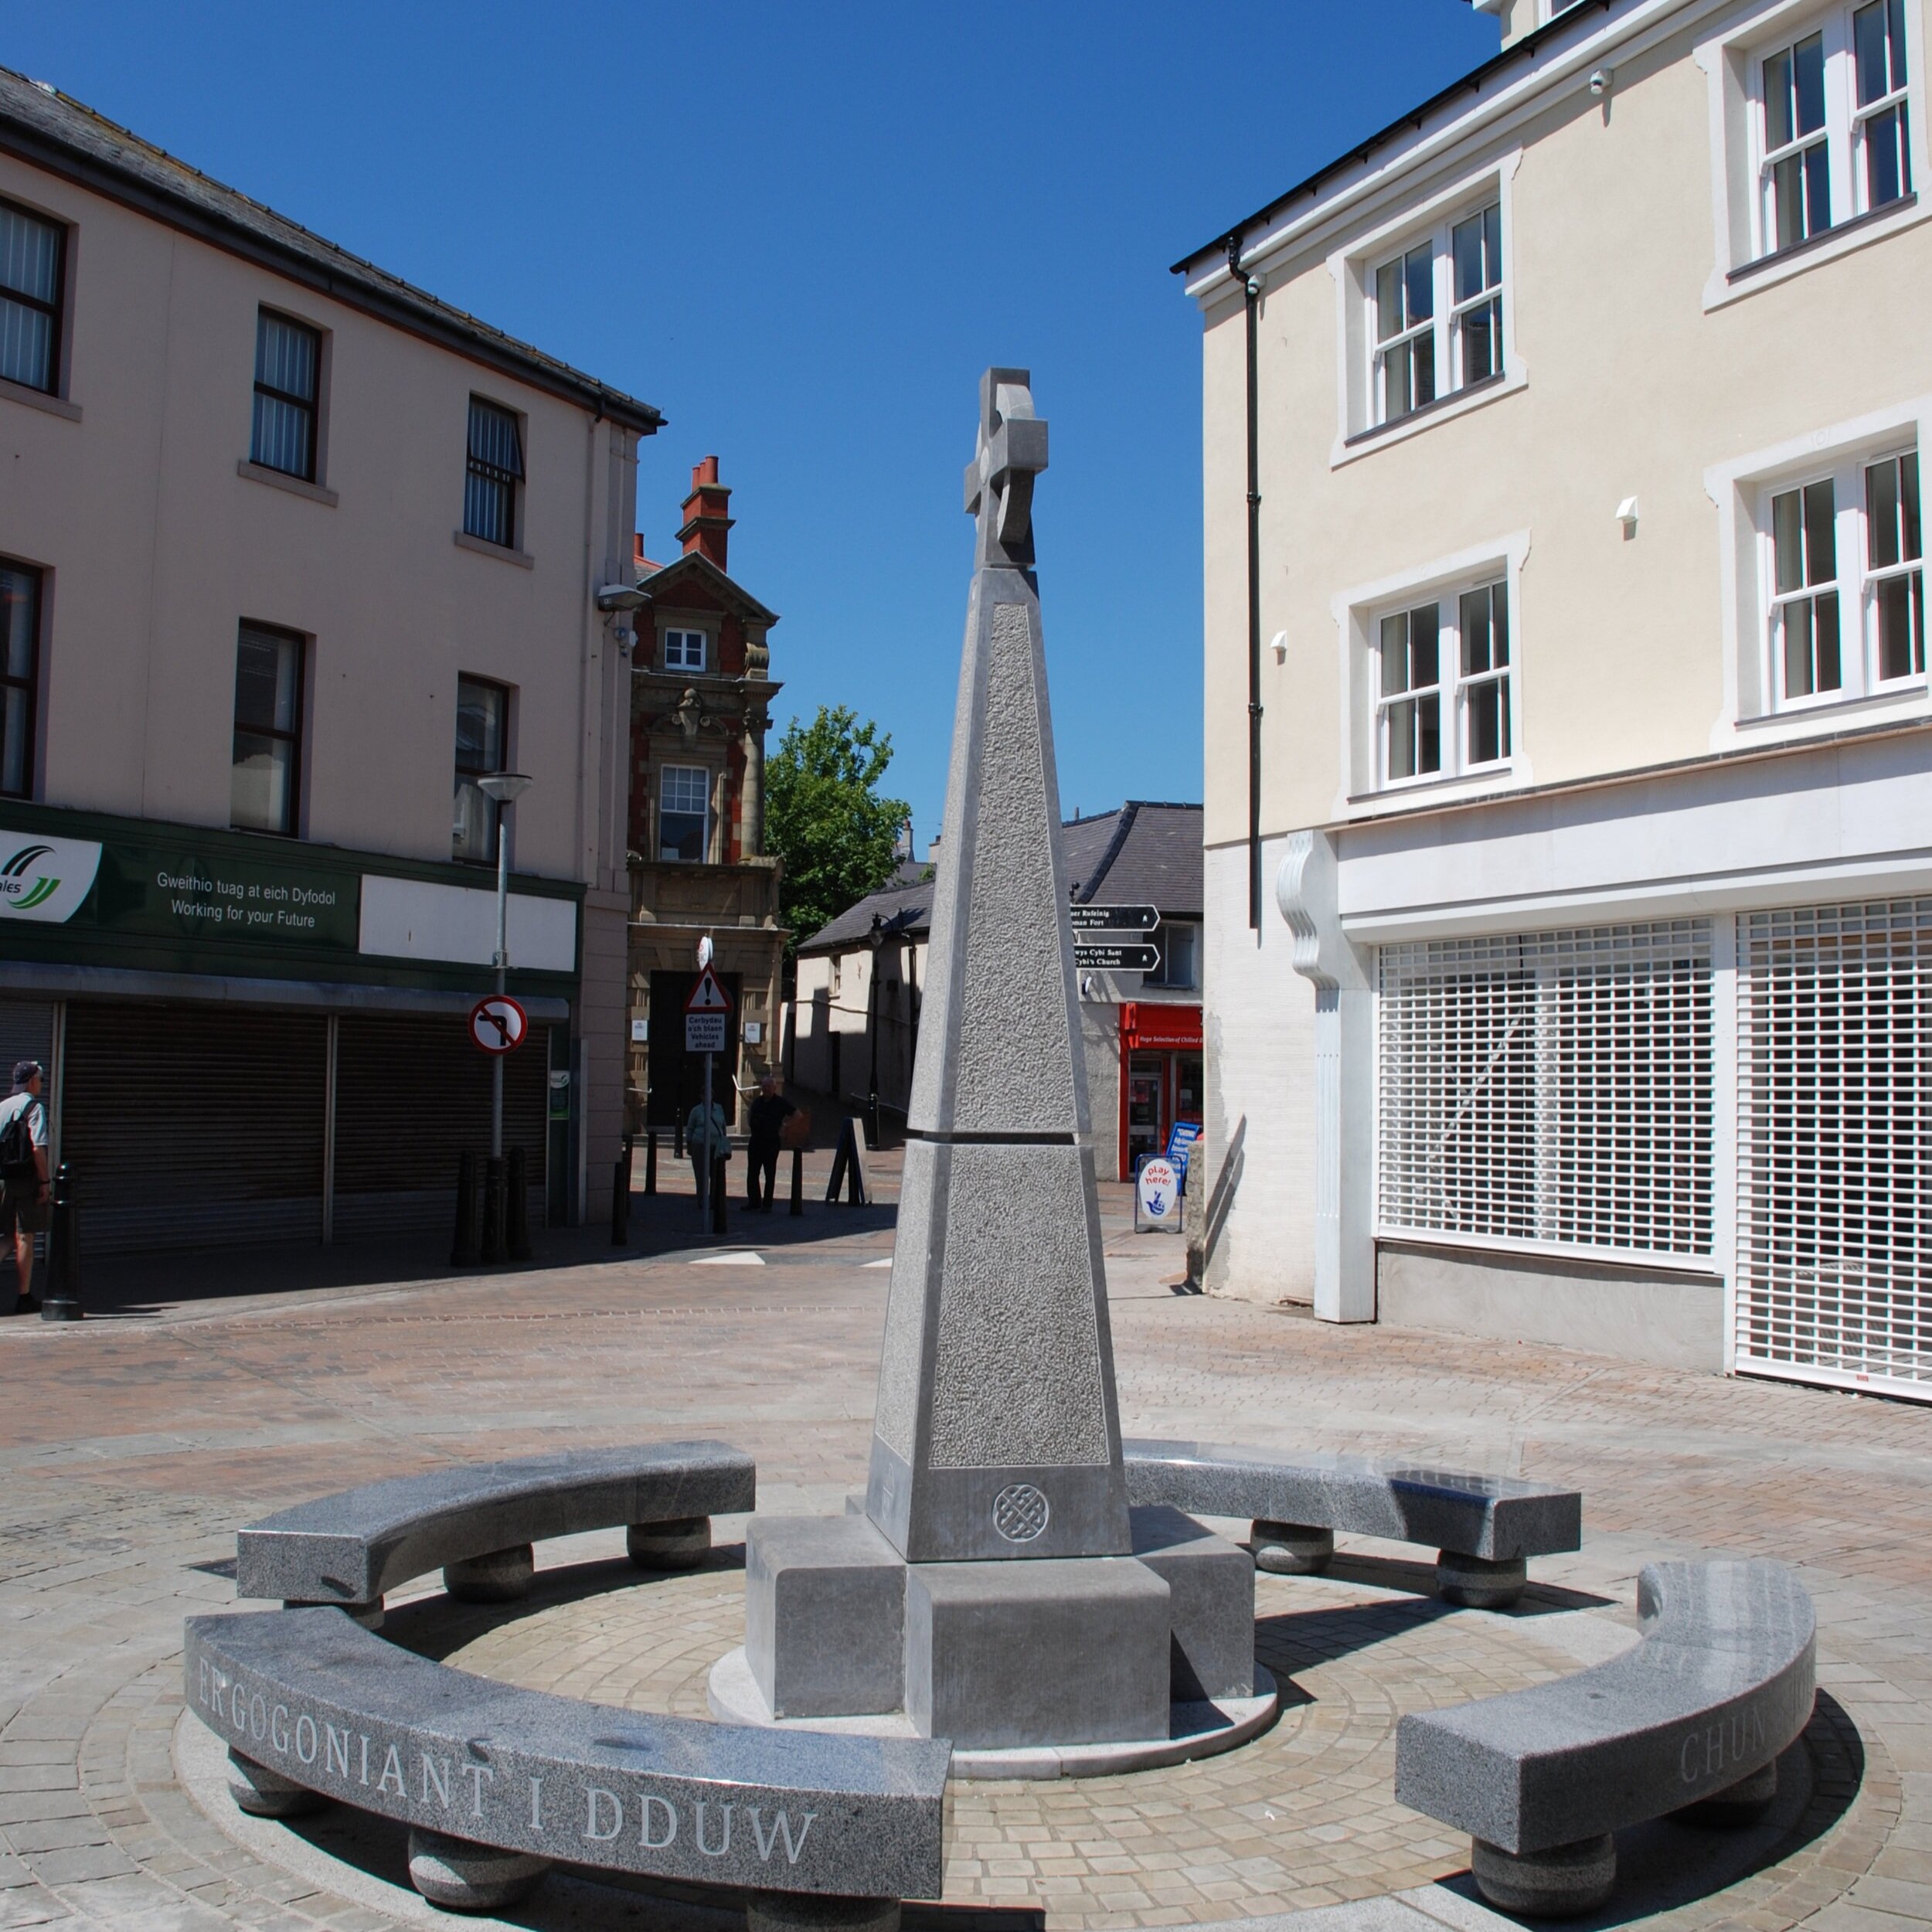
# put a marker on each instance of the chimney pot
(707, 517)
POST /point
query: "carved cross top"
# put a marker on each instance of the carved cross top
(999, 480)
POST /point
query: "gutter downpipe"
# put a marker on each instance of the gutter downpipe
(1251, 292)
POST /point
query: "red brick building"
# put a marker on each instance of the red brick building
(701, 691)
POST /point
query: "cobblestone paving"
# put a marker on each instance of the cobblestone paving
(133, 1448)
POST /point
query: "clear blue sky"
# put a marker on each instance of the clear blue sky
(801, 230)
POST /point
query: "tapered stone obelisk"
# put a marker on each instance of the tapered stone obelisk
(997, 1434)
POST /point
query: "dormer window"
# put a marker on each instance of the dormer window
(683, 651)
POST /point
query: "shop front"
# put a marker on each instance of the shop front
(1160, 1075)
(249, 1038)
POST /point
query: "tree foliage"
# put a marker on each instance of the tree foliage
(825, 817)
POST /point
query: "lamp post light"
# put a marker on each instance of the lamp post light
(502, 788)
(876, 939)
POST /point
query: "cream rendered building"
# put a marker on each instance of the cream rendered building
(1570, 958)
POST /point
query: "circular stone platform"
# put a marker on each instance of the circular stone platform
(1194, 1731)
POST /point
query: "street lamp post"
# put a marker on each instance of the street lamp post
(876, 939)
(502, 788)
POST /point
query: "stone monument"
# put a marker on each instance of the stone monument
(995, 1586)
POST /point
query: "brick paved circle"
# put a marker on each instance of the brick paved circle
(132, 1450)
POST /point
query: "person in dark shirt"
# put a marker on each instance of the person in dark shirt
(769, 1113)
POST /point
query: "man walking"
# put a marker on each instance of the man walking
(769, 1113)
(26, 1205)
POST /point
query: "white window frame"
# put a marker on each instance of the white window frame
(685, 633)
(1733, 65)
(1754, 708)
(703, 773)
(1360, 427)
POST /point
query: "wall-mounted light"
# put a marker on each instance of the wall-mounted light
(1627, 516)
(1602, 81)
(1280, 646)
(618, 601)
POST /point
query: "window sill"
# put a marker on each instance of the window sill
(38, 398)
(1859, 232)
(1904, 699)
(281, 480)
(484, 548)
(1491, 778)
(1457, 403)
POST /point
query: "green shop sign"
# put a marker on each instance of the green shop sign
(163, 890)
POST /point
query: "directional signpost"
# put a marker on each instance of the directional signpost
(1115, 939)
(705, 1014)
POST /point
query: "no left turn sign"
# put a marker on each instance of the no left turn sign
(498, 1024)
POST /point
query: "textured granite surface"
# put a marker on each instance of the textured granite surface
(351, 1547)
(311, 1695)
(1067, 1652)
(1720, 1684)
(1210, 1585)
(1494, 1517)
(825, 1616)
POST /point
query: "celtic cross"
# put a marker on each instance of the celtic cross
(999, 480)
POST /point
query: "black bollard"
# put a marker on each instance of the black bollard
(516, 1207)
(797, 1180)
(60, 1299)
(677, 1147)
(492, 1245)
(650, 1161)
(469, 1232)
(718, 1195)
(621, 1198)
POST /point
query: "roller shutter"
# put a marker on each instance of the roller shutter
(188, 1124)
(411, 1095)
(27, 1033)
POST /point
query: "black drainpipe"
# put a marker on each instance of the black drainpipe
(1251, 290)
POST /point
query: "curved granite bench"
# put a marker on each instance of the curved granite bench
(1484, 1529)
(1695, 1715)
(476, 1523)
(497, 1783)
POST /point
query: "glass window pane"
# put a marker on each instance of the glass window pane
(266, 681)
(1423, 350)
(1818, 189)
(285, 356)
(1888, 168)
(496, 438)
(479, 725)
(26, 345)
(1787, 541)
(1428, 735)
(19, 621)
(1787, 199)
(1425, 629)
(473, 829)
(16, 738)
(1483, 712)
(1878, 35)
(1401, 726)
(1901, 642)
(262, 795)
(1419, 285)
(1808, 82)
(1777, 100)
(1821, 532)
(1475, 632)
(1881, 514)
(29, 256)
(1387, 301)
(281, 436)
(1796, 620)
(1826, 624)
(1395, 653)
(1909, 502)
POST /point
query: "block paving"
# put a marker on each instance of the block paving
(134, 1446)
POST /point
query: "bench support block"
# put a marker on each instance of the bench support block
(1740, 1804)
(368, 1615)
(807, 1912)
(1291, 1549)
(1561, 1883)
(682, 1543)
(262, 1793)
(1477, 1583)
(503, 1576)
(463, 1877)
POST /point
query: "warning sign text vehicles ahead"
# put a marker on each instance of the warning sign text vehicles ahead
(705, 1014)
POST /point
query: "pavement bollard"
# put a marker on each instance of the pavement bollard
(718, 1195)
(650, 1161)
(60, 1300)
(797, 1180)
(469, 1232)
(621, 1198)
(492, 1249)
(516, 1207)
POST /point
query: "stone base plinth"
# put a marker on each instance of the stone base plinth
(825, 1616)
(1210, 1603)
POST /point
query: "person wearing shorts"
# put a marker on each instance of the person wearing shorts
(26, 1204)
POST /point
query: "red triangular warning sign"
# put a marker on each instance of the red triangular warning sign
(708, 996)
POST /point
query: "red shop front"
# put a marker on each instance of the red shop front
(1161, 1070)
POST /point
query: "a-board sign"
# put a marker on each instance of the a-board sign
(705, 1014)
(498, 1024)
(1113, 958)
(1115, 919)
(1180, 1144)
(1157, 1196)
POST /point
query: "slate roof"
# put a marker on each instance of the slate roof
(1142, 854)
(41, 126)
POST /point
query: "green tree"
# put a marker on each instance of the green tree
(825, 817)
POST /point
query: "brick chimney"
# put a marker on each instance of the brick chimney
(707, 526)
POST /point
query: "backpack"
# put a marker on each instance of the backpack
(16, 1144)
